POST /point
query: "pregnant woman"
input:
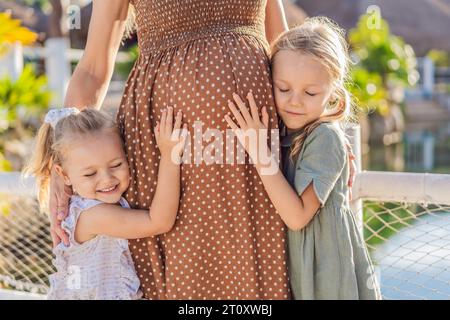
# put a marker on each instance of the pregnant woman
(228, 241)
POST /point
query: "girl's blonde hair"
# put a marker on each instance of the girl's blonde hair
(130, 24)
(52, 143)
(324, 40)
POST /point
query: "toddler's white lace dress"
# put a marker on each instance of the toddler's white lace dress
(98, 269)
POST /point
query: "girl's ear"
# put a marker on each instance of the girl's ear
(332, 101)
(62, 174)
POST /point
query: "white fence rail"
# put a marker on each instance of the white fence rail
(421, 188)
(57, 55)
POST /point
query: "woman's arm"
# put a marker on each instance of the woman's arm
(124, 223)
(276, 22)
(90, 80)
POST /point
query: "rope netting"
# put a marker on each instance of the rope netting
(409, 244)
(25, 245)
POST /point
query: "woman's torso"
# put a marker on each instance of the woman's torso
(227, 242)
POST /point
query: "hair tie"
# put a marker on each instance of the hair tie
(54, 115)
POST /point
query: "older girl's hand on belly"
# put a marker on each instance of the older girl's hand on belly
(250, 129)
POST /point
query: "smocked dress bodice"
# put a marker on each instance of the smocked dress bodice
(166, 23)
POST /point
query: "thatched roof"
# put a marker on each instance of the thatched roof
(423, 24)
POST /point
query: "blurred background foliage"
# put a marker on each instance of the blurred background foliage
(22, 100)
(11, 31)
(382, 61)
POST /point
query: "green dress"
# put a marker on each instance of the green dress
(327, 258)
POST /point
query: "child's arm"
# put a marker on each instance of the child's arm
(113, 220)
(116, 221)
(296, 210)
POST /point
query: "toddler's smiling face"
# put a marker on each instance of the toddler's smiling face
(96, 167)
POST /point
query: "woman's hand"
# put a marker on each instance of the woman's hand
(59, 208)
(250, 130)
(170, 138)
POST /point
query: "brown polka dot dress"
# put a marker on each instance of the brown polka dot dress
(228, 242)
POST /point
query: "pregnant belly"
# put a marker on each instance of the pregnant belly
(198, 78)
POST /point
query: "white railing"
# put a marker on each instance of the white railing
(423, 188)
(57, 55)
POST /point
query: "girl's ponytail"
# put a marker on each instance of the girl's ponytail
(41, 162)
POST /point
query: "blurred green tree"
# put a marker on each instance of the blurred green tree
(382, 62)
(21, 99)
(27, 96)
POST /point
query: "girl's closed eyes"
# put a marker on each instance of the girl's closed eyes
(116, 166)
(285, 89)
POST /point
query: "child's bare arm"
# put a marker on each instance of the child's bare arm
(296, 211)
(125, 223)
(116, 221)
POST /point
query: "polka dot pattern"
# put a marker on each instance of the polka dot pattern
(228, 241)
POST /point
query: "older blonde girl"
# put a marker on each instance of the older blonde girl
(327, 255)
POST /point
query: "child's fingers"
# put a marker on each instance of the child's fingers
(162, 126)
(242, 123)
(62, 235)
(184, 134)
(242, 107)
(178, 120)
(265, 117)
(169, 121)
(176, 127)
(157, 128)
(55, 239)
(231, 122)
(352, 169)
(253, 106)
